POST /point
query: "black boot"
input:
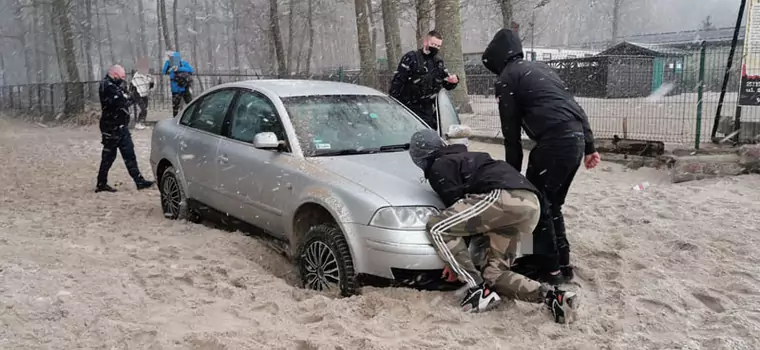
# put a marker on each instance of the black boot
(143, 184)
(567, 272)
(104, 188)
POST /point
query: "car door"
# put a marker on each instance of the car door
(199, 143)
(254, 181)
(446, 113)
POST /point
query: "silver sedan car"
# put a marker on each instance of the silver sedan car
(321, 166)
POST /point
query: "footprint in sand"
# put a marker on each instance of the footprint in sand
(710, 302)
(269, 306)
(656, 306)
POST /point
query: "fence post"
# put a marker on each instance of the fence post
(700, 92)
(340, 73)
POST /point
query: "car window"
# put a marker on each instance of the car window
(329, 123)
(446, 112)
(254, 113)
(211, 111)
(188, 112)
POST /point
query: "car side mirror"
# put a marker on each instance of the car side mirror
(458, 134)
(266, 140)
(458, 131)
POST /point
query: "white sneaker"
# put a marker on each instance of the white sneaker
(480, 299)
(140, 126)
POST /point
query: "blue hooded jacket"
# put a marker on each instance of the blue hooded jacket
(183, 67)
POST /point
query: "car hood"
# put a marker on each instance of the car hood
(391, 176)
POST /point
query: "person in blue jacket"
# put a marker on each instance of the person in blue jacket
(181, 75)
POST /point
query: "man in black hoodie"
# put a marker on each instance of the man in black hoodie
(420, 76)
(115, 136)
(533, 97)
(484, 197)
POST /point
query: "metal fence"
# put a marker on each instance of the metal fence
(635, 97)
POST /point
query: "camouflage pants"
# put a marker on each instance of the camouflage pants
(501, 217)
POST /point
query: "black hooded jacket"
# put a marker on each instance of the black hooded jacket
(532, 96)
(114, 103)
(454, 172)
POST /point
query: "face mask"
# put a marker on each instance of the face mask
(433, 51)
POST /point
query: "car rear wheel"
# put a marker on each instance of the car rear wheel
(325, 263)
(173, 200)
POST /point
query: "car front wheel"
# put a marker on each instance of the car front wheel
(173, 200)
(325, 263)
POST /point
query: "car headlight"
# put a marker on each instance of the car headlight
(402, 218)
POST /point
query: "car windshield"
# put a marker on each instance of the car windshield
(328, 125)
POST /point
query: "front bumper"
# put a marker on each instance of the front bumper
(379, 252)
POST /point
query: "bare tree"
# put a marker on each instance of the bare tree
(176, 24)
(310, 25)
(616, 20)
(449, 24)
(367, 55)
(424, 12)
(391, 32)
(164, 24)
(143, 34)
(75, 92)
(276, 38)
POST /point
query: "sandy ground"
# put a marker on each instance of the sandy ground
(673, 266)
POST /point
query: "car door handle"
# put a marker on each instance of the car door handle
(223, 159)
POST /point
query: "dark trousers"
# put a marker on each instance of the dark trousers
(177, 100)
(117, 140)
(142, 103)
(426, 111)
(551, 168)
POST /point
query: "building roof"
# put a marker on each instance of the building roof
(628, 48)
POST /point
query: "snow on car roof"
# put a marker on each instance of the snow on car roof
(294, 87)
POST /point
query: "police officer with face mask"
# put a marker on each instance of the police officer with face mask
(420, 76)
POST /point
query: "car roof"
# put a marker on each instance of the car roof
(299, 87)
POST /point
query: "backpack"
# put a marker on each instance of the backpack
(183, 79)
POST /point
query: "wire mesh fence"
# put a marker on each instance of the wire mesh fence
(645, 94)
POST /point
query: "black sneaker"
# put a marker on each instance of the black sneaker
(480, 299)
(104, 188)
(143, 184)
(567, 272)
(562, 305)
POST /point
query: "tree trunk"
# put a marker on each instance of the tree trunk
(74, 102)
(310, 25)
(20, 29)
(87, 38)
(235, 37)
(449, 24)
(143, 35)
(616, 21)
(506, 13)
(98, 35)
(391, 32)
(164, 28)
(194, 49)
(424, 11)
(3, 82)
(368, 74)
(291, 34)
(372, 26)
(131, 44)
(110, 36)
(209, 42)
(176, 24)
(274, 27)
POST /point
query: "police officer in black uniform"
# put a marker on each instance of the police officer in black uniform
(420, 76)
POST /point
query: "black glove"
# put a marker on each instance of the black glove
(152, 84)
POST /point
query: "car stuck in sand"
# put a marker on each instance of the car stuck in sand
(320, 166)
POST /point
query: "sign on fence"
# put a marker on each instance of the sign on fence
(749, 90)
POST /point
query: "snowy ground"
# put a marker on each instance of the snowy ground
(673, 266)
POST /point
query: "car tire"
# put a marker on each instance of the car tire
(324, 261)
(174, 202)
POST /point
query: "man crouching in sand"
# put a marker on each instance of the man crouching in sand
(486, 197)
